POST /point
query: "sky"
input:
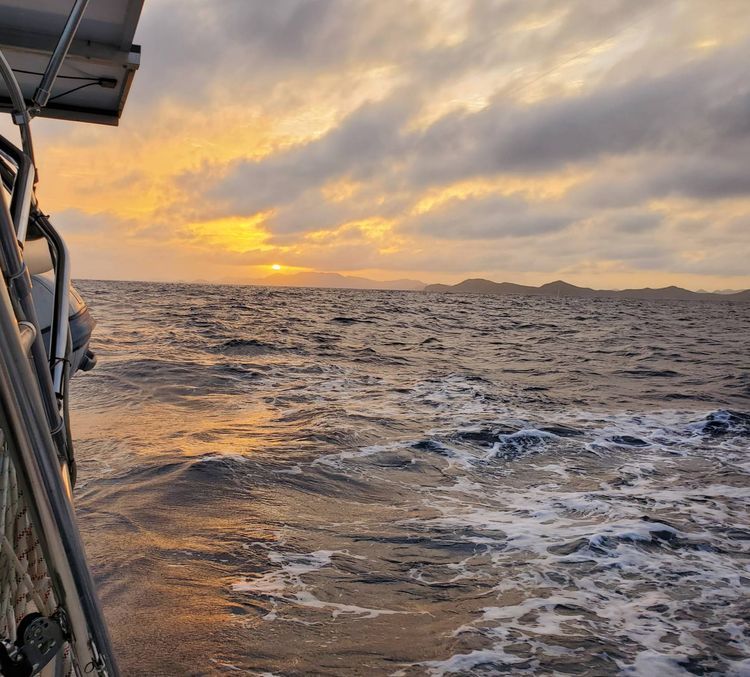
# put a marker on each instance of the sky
(604, 143)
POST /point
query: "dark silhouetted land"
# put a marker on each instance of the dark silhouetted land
(560, 288)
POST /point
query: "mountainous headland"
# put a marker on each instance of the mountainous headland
(565, 289)
(559, 288)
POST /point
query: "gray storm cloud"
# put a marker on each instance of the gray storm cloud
(684, 133)
(645, 105)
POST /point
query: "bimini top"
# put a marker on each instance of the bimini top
(95, 77)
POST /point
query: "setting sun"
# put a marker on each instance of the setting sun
(275, 266)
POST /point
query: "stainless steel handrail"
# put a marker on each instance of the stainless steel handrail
(24, 189)
(34, 453)
(60, 319)
(19, 283)
(21, 205)
(32, 450)
(28, 408)
(20, 114)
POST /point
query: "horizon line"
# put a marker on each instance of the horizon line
(260, 283)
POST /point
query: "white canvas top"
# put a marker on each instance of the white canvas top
(102, 56)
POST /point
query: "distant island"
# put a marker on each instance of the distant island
(558, 288)
(565, 289)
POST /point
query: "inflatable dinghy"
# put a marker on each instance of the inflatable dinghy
(80, 321)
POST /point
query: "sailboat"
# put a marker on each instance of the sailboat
(70, 60)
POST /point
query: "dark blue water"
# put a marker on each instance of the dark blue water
(290, 481)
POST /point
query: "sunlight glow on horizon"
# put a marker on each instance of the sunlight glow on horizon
(594, 148)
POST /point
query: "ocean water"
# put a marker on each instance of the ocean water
(295, 481)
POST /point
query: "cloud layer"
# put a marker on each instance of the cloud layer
(602, 142)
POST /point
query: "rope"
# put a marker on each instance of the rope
(25, 585)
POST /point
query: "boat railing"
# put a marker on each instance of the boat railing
(33, 385)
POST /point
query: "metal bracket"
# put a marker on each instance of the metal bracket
(28, 334)
(40, 639)
(21, 117)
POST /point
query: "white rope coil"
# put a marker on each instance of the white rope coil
(25, 585)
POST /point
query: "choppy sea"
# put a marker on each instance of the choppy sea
(327, 482)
